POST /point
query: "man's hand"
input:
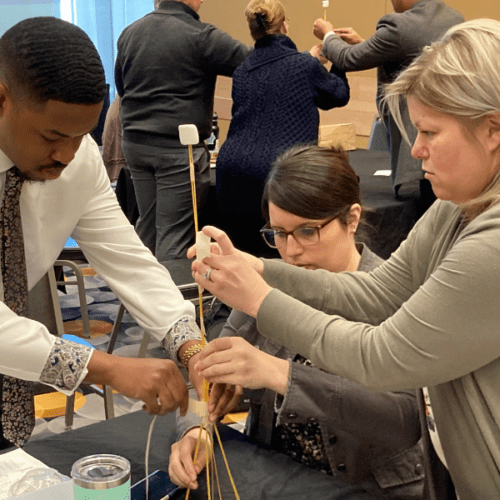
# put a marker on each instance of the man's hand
(181, 469)
(234, 361)
(223, 399)
(234, 278)
(348, 35)
(321, 28)
(157, 382)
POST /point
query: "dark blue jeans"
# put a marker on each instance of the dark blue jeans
(163, 191)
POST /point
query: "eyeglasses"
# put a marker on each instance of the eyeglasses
(305, 235)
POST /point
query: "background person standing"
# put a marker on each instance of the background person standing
(165, 73)
(398, 39)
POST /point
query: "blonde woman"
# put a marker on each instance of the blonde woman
(429, 316)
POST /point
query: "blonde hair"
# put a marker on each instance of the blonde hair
(265, 17)
(459, 76)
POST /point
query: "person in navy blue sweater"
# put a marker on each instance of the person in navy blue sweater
(276, 94)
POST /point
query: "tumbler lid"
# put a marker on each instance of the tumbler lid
(101, 472)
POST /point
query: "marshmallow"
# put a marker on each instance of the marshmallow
(188, 134)
(325, 4)
(202, 246)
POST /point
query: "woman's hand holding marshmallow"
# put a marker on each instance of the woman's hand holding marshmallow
(232, 276)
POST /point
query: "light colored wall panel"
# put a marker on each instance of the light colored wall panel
(362, 15)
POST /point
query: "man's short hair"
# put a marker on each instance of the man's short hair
(45, 58)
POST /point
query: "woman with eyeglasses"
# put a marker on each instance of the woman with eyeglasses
(312, 202)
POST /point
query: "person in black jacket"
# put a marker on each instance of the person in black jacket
(166, 69)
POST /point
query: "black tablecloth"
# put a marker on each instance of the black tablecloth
(389, 219)
(258, 473)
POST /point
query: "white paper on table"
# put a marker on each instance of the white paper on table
(62, 491)
(13, 466)
(383, 173)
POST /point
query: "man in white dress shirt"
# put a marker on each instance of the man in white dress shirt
(52, 88)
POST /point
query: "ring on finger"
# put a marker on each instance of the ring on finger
(206, 274)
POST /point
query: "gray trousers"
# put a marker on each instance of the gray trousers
(163, 191)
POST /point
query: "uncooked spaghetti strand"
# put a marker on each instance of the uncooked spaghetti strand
(216, 475)
(196, 451)
(193, 187)
(207, 467)
(227, 465)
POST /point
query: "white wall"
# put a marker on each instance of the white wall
(13, 11)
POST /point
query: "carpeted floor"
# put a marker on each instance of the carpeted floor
(103, 308)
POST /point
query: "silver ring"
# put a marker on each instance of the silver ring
(206, 274)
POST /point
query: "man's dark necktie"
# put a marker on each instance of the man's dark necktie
(18, 415)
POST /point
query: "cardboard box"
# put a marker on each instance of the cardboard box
(341, 134)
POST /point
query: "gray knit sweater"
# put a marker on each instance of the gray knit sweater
(427, 317)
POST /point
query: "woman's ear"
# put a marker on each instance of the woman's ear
(354, 216)
(284, 28)
(492, 126)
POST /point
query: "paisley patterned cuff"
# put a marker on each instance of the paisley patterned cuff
(184, 330)
(66, 365)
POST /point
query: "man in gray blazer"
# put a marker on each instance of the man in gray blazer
(398, 39)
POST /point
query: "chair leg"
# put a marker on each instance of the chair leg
(55, 301)
(70, 410)
(144, 345)
(83, 303)
(109, 408)
(116, 328)
(81, 293)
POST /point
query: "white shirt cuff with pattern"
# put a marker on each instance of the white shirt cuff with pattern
(66, 366)
(184, 330)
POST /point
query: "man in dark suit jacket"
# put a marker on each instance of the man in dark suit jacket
(398, 39)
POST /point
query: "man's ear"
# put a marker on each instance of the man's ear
(5, 98)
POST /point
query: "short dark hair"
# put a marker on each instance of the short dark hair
(45, 58)
(312, 182)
